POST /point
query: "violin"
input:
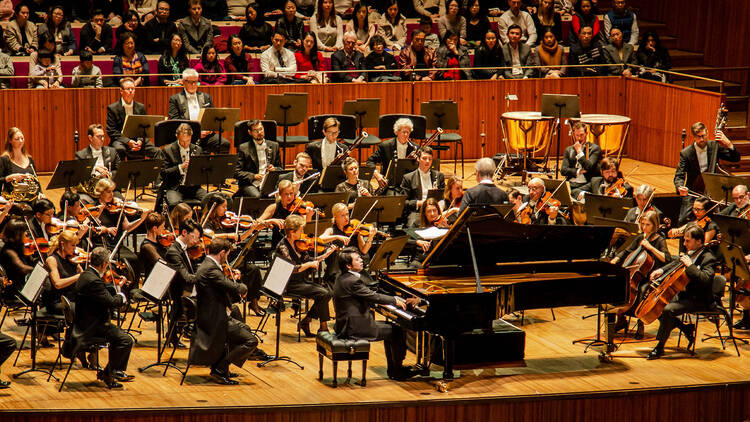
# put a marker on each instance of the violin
(196, 252)
(94, 210)
(131, 208)
(523, 215)
(166, 239)
(230, 273)
(307, 243)
(56, 226)
(546, 202)
(364, 229)
(80, 257)
(111, 277)
(30, 245)
(231, 220)
(302, 207)
(680, 231)
(616, 189)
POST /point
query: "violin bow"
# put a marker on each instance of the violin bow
(33, 238)
(312, 176)
(302, 198)
(237, 226)
(536, 214)
(363, 219)
(205, 217)
(122, 211)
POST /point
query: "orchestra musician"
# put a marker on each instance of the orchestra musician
(254, 160)
(740, 204)
(603, 185)
(336, 235)
(116, 113)
(178, 259)
(392, 150)
(547, 215)
(655, 245)
(181, 212)
(187, 105)
(151, 249)
(352, 300)
(70, 209)
(174, 168)
(353, 185)
(581, 160)
(452, 198)
(107, 159)
(7, 347)
(300, 284)
(16, 263)
(43, 210)
(642, 194)
(429, 216)
(63, 272)
(16, 166)
(302, 169)
(323, 151)
(93, 305)
(700, 268)
(701, 218)
(219, 339)
(276, 213)
(702, 156)
(416, 184)
(485, 192)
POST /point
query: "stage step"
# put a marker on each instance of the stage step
(685, 58)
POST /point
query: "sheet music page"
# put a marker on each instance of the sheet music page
(431, 233)
(278, 276)
(158, 280)
(34, 283)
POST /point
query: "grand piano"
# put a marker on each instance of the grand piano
(486, 267)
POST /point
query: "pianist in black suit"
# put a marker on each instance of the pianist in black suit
(581, 160)
(302, 169)
(116, 113)
(323, 151)
(416, 184)
(485, 192)
(254, 159)
(176, 158)
(392, 150)
(352, 300)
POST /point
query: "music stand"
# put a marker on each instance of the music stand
(562, 194)
(734, 259)
(254, 207)
(218, 119)
(70, 173)
(734, 230)
(137, 173)
(387, 254)
(607, 206)
(506, 210)
(30, 294)
(270, 181)
(397, 169)
(443, 114)
(288, 109)
(323, 225)
(562, 106)
(210, 169)
(436, 194)
(154, 288)
(366, 172)
(367, 111)
(274, 285)
(140, 126)
(721, 185)
(324, 201)
(331, 176)
(388, 209)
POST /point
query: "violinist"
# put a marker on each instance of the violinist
(610, 183)
(353, 185)
(180, 213)
(337, 235)
(302, 169)
(153, 247)
(452, 196)
(700, 267)
(17, 168)
(106, 163)
(183, 282)
(43, 210)
(63, 273)
(416, 184)
(276, 213)
(485, 192)
(300, 282)
(71, 210)
(516, 199)
(654, 244)
(392, 150)
(642, 194)
(14, 260)
(701, 218)
(541, 213)
(323, 151)
(254, 160)
(740, 205)
(581, 160)
(429, 216)
(174, 169)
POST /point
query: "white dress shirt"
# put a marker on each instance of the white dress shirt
(270, 66)
(97, 153)
(194, 107)
(524, 20)
(262, 159)
(426, 181)
(702, 154)
(401, 150)
(327, 152)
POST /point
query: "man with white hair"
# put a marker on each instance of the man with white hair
(485, 192)
(541, 212)
(187, 104)
(392, 150)
(348, 59)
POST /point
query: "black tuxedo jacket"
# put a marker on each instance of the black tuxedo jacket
(304, 187)
(247, 161)
(170, 171)
(352, 300)
(689, 169)
(542, 218)
(411, 186)
(178, 107)
(314, 150)
(339, 61)
(385, 153)
(215, 293)
(483, 194)
(596, 186)
(590, 164)
(94, 303)
(184, 278)
(701, 275)
(109, 156)
(733, 211)
(116, 120)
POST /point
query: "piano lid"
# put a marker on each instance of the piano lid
(497, 240)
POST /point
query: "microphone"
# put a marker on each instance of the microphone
(684, 135)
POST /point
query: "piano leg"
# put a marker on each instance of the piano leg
(448, 350)
(609, 347)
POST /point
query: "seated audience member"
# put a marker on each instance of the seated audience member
(178, 9)
(216, 10)
(238, 61)
(61, 31)
(517, 55)
(586, 52)
(174, 169)
(86, 74)
(278, 63)
(348, 59)
(159, 30)
(145, 8)
(619, 54)
(20, 35)
(583, 17)
(187, 104)
(430, 9)
(6, 10)
(477, 23)
(310, 65)
(515, 16)
(652, 55)
(256, 33)
(130, 62)
(545, 19)
(488, 56)
(431, 39)
(452, 21)
(623, 18)
(195, 30)
(96, 35)
(210, 68)
(564, 7)
(379, 59)
(416, 185)
(306, 8)
(362, 26)
(113, 11)
(550, 56)
(455, 56)
(133, 25)
(418, 60)
(6, 69)
(328, 27)
(392, 27)
(46, 72)
(173, 62)
(116, 113)
(236, 9)
(292, 25)
(255, 159)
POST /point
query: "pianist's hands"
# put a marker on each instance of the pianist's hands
(412, 302)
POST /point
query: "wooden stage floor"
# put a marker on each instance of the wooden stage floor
(556, 369)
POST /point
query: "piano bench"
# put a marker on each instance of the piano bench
(337, 350)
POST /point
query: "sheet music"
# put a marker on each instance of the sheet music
(431, 233)
(158, 280)
(34, 283)
(278, 276)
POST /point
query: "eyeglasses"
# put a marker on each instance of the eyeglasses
(190, 81)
